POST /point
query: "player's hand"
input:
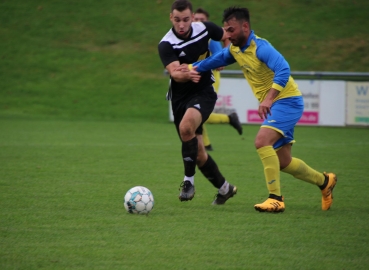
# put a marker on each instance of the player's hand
(264, 109)
(266, 105)
(194, 75)
(219, 68)
(183, 68)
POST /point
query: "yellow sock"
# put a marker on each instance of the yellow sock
(205, 137)
(270, 162)
(300, 170)
(217, 118)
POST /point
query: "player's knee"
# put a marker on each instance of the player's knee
(186, 132)
(262, 140)
(259, 143)
(284, 162)
(284, 156)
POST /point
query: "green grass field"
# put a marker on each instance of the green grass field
(83, 118)
(63, 182)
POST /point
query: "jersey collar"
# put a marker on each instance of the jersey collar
(251, 37)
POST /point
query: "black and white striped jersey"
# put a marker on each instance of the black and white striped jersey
(194, 48)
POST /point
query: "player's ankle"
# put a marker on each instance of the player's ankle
(276, 197)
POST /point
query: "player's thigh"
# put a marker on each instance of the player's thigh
(285, 113)
(204, 102)
(266, 136)
(187, 119)
(191, 119)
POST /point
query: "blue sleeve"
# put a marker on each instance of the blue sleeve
(275, 62)
(220, 59)
(215, 46)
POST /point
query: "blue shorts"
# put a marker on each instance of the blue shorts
(286, 113)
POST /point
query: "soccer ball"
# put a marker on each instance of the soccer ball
(139, 200)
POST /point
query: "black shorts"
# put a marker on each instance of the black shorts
(204, 102)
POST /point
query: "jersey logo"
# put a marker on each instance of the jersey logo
(182, 54)
(197, 106)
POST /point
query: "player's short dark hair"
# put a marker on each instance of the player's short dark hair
(181, 5)
(238, 13)
(202, 11)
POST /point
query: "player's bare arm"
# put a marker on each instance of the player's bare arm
(182, 67)
(194, 74)
(266, 104)
(177, 72)
(183, 72)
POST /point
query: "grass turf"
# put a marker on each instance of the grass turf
(63, 184)
(63, 181)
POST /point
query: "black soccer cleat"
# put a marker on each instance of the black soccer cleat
(209, 147)
(234, 121)
(187, 191)
(221, 199)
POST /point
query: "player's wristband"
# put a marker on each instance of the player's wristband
(190, 66)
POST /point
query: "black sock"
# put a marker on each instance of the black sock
(189, 154)
(211, 172)
(326, 179)
(276, 197)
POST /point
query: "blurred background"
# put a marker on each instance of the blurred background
(91, 59)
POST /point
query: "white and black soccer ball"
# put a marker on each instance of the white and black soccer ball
(139, 200)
